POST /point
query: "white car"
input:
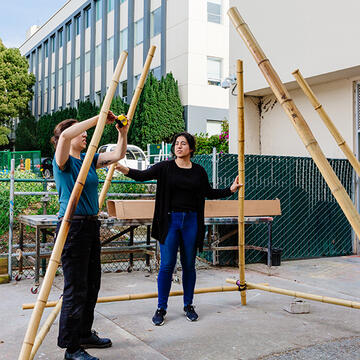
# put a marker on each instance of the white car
(135, 158)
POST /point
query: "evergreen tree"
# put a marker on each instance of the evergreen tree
(25, 134)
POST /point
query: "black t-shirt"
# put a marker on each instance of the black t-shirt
(185, 188)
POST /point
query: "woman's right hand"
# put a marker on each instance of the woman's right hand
(111, 117)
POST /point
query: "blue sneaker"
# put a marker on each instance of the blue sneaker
(190, 313)
(159, 317)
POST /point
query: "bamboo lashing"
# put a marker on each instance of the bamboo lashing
(129, 117)
(297, 120)
(65, 225)
(45, 329)
(327, 121)
(129, 297)
(241, 166)
(302, 295)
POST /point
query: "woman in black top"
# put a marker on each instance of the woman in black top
(182, 187)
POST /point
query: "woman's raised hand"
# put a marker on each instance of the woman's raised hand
(235, 185)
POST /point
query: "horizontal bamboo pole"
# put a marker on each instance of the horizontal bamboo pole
(128, 297)
(297, 120)
(302, 295)
(327, 121)
(45, 329)
(71, 207)
(129, 116)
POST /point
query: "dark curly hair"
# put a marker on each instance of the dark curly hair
(59, 128)
(190, 139)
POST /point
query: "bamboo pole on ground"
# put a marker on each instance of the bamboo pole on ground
(241, 165)
(45, 329)
(142, 296)
(302, 295)
(327, 121)
(65, 225)
(129, 117)
(297, 120)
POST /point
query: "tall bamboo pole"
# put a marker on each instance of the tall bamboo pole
(327, 121)
(65, 225)
(302, 295)
(241, 165)
(297, 120)
(129, 117)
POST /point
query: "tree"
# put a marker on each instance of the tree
(4, 132)
(15, 84)
(25, 134)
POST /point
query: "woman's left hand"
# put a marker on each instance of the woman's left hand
(122, 130)
(235, 185)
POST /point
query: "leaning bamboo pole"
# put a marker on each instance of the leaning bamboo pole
(302, 295)
(298, 121)
(65, 225)
(142, 296)
(327, 121)
(129, 117)
(45, 329)
(241, 166)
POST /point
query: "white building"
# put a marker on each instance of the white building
(319, 38)
(74, 53)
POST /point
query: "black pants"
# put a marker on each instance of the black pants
(82, 271)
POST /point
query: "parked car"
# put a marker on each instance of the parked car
(135, 158)
(46, 167)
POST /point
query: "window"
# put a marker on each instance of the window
(110, 49)
(139, 31)
(52, 80)
(213, 127)
(46, 49)
(110, 5)
(68, 31)
(98, 9)
(60, 34)
(136, 80)
(124, 39)
(60, 79)
(87, 17)
(77, 67)
(98, 55)
(52, 43)
(87, 61)
(46, 83)
(214, 11)
(68, 72)
(214, 71)
(77, 24)
(124, 88)
(98, 98)
(39, 55)
(122, 1)
(157, 72)
(155, 22)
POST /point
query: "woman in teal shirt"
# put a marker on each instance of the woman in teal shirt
(81, 255)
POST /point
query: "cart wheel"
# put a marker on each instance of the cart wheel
(34, 289)
(17, 277)
(129, 269)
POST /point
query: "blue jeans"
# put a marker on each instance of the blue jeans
(182, 231)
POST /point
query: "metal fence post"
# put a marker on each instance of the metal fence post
(11, 216)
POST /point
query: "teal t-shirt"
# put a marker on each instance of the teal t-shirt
(65, 180)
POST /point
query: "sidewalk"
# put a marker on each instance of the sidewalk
(226, 330)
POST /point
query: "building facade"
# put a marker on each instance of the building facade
(74, 53)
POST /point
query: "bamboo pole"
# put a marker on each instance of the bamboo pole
(45, 329)
(327, 121)
(241, 165)
(129, 117)
(297, 120)
(128, 297)
(65, 225)
(302, 295)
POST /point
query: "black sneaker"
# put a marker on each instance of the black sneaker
(81, 354)
(159, 317)
(94, 341)
(190, 313)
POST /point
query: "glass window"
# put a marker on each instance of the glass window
(77, 67)
(46, 49)
(139, 31)
(122, 1)
(213, 127)
(46, 83)
(214, 71)
(68, 31)
(110, 5)
(87, 17)
(98, 9)
(98, 55)
(68, 72)
(110, 49)
(87, 61)
(52, 42)
(124, 39)
(98, 98)
(77, 24)
(155, 22)
(157, 72)
(52, 80)
(129, 155)
(214, 11)
(136, 80)
(124, 88)
(60, 74)
(39, 56)
(60, 34)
